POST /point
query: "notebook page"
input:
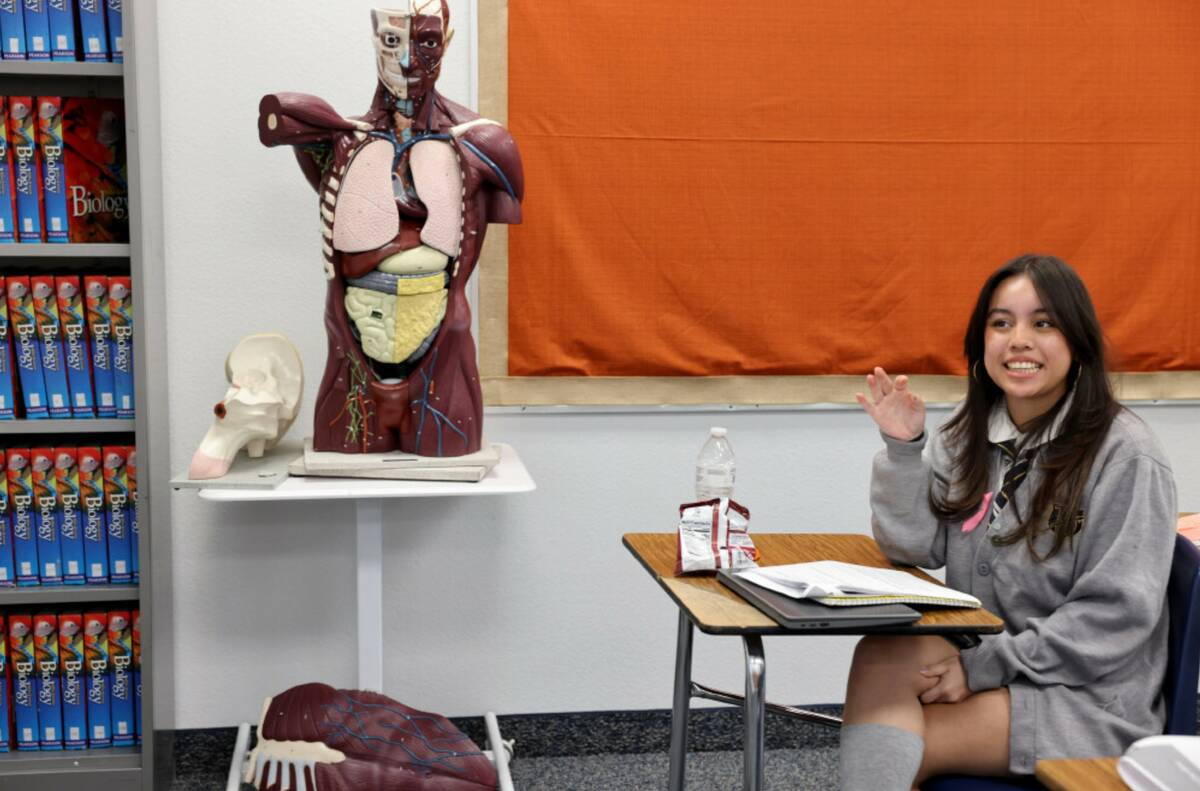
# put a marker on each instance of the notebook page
(831, 578)
(793, 580)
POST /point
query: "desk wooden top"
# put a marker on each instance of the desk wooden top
(1080, 774)
(716, 609)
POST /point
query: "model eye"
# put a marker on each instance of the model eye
(391, 40)
(430, 43)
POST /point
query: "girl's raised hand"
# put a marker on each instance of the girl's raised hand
(899, 412)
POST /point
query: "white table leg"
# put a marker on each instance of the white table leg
(369, 525)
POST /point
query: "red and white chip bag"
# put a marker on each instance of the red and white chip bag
(713, 534)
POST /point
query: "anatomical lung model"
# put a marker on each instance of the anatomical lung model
(317, 738)
(405, 193)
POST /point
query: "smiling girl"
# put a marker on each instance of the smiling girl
(1053, 505)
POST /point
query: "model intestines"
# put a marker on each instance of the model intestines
(405, 194)
(317, 738)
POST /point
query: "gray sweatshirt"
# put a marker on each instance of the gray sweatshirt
(1083, 652)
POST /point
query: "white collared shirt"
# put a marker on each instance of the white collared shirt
(1002, 428)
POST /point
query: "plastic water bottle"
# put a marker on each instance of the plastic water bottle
(715, 467)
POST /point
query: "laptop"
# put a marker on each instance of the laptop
(805, 614)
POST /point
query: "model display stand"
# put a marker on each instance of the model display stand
(288, 459)
(265, 472)
(508, 476)
(396, 466)
(405, 193)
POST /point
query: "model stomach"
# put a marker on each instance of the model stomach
(398, 307)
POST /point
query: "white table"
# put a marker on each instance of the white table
(509, 476)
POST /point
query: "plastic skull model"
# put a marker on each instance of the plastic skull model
(266, 380)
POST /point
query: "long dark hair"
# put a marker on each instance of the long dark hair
(1067, 459)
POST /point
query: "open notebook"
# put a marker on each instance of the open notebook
(810, 614)
(841, 584)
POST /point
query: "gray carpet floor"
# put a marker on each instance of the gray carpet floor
(608, 751)
(797, 770)
(813, 769)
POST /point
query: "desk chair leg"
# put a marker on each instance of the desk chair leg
(755, 713)
(679, 709)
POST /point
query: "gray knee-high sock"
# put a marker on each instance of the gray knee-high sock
(879, 758)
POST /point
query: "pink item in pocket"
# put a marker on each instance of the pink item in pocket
(974, 521)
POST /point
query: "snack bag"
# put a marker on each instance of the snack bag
(714, 534)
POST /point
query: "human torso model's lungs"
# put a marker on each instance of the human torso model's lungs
(363, 210)
(437, 178)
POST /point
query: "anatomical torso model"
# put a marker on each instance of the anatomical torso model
(406, 192)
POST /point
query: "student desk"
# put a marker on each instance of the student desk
(714, 609)
(1080, 774)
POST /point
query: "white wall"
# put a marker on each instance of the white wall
(516, 604)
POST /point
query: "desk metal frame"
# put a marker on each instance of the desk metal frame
(754, 705)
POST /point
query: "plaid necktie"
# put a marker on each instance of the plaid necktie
(1012, 477)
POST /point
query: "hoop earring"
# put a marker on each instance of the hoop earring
(975, 370)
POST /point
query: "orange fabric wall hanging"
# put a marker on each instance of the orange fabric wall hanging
(771, 192)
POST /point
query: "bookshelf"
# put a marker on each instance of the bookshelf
(66, 594)
(73, 426)
(58, 252)
(119, 769)
(50, 69)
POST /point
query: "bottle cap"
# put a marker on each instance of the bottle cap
(717, 431)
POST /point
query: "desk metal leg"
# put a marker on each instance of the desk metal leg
(755, 712)
(679, 709)
(369, 539)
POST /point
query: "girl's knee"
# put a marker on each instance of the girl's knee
(876, 649)
(896, 661)
(898, 650)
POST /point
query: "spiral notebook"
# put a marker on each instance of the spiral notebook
(838, 584)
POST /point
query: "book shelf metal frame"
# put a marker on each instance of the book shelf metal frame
(60, 251)
(119, 769)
